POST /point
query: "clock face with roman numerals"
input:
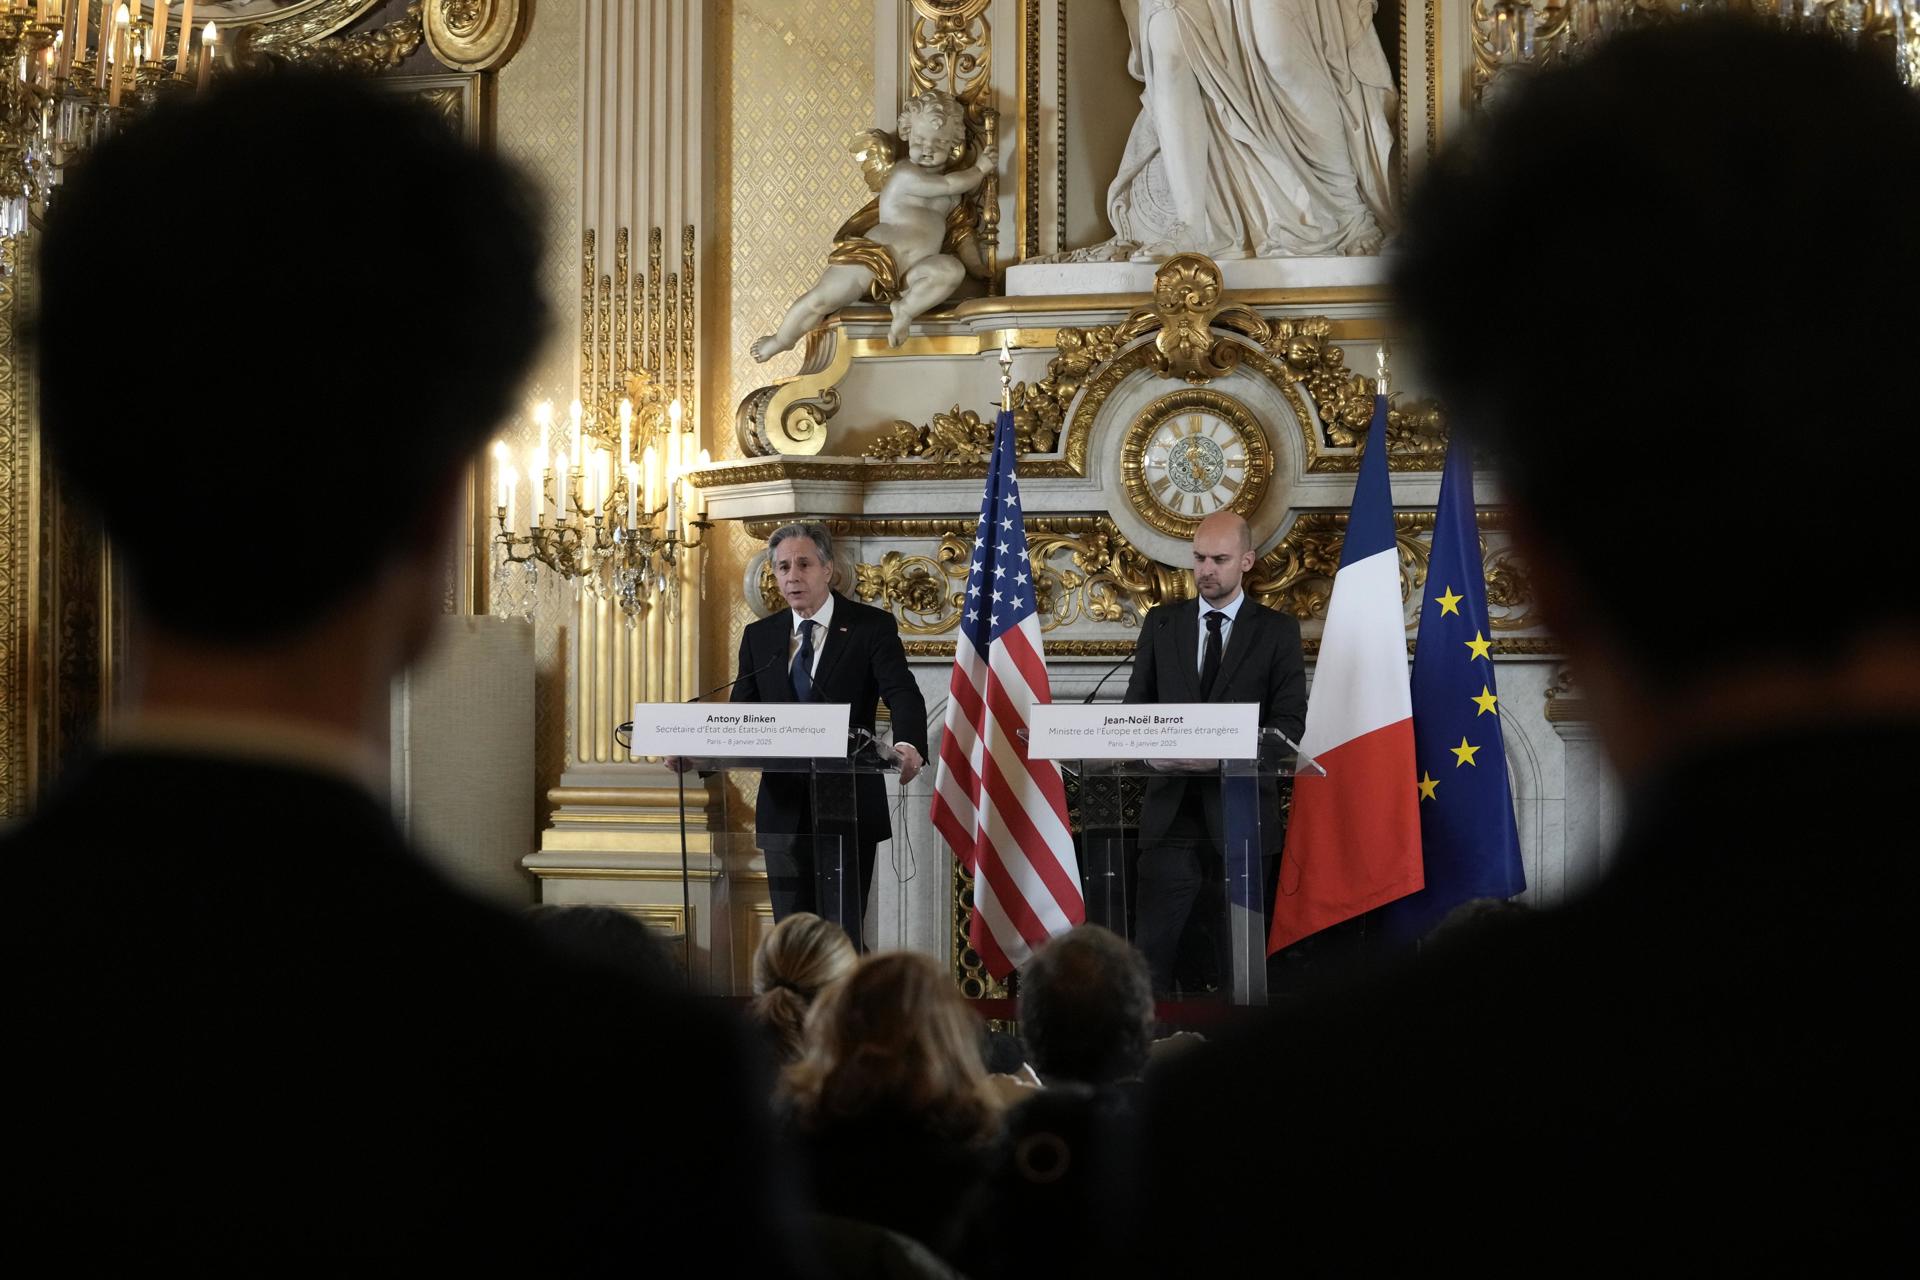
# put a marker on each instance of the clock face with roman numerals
(1191, 454)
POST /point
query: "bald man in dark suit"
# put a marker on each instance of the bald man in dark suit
(1222, 647)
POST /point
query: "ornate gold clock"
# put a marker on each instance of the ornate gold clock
(1190, 454)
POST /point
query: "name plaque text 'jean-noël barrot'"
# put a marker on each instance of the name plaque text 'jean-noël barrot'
(1171, 730)
(706, 729)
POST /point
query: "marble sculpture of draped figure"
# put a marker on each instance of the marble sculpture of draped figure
(1265, 130)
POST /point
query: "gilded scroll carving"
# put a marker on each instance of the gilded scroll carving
(959, 435)
(364, 52)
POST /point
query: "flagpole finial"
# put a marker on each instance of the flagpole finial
(1006, 371)
(1380, 360)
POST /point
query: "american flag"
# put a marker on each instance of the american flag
(1004, 816)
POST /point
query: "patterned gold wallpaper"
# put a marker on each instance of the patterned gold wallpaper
(537, 125)
(793, 81)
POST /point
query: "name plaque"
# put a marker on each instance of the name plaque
(1137, 731)
(704, 729)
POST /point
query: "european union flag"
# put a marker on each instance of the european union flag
(1466, 807)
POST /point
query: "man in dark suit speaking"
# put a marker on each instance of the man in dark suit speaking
(1220, 648)
(826, 648)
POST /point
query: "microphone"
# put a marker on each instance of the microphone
(627, 726)
(737, 679)
(1088, 700)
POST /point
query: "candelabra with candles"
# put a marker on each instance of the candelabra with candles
(71, 73)
(1519, 33)
(616, 522)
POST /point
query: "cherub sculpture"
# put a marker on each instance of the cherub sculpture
(905, 246)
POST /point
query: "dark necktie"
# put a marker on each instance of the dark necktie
(1210, 660)
(802, 671)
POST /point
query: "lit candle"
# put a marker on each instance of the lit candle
(512, 483)
(560, 485)
(186, 38)
(118, 55)
(700, 495)
(499, 452)
(536, 486)
(209, 37)
(626, 431)
(103, 55)
(673, 485)
(79, 42)
(670, 464)
(159, 50)
(633, 487)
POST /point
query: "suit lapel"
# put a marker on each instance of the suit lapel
(839, 638)
(1187, 647)
(1240, 642)
(776, 681)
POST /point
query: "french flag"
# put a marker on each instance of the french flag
(1353, 842)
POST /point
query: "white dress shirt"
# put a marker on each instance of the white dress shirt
(823, 617)
(1232, 609)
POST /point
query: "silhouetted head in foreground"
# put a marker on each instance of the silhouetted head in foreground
(337, 297)
(1660, 288)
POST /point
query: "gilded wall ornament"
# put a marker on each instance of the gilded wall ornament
(952, 49)
(959, 435)
(301, 23)
(1417, 434)
(913, 588)
(364, 52)
(475, 35)
(1186, 308)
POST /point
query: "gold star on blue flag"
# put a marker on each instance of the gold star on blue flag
(1471, 844)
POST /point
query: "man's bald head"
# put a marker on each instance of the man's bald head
(1222, 554)
(1225, 525)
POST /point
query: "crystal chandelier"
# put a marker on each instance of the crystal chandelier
(1517, 33)
(72, 73)
(609, 509)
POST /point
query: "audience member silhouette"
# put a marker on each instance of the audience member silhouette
(1086, 1008)
(1650, 283)
(889, 1105)
(252, 1032)
(798, 959)
(611, 937)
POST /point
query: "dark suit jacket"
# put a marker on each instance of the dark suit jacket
(251, 1032)
(1705, 1064)
(1262, 664)
(863, 662)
